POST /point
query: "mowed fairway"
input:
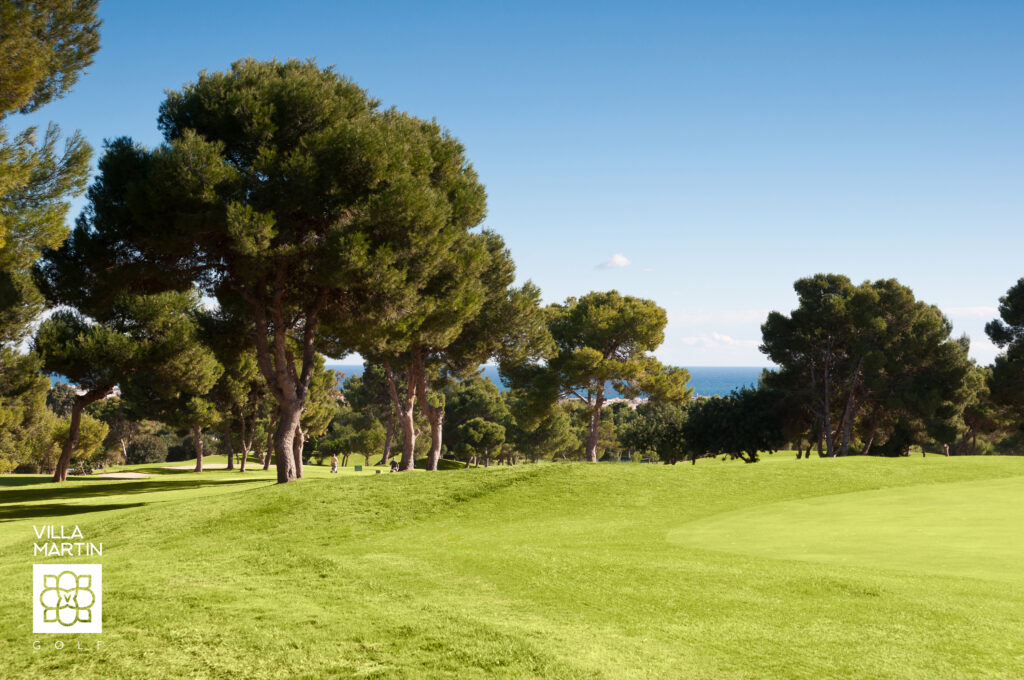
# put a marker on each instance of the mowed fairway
(858, 568)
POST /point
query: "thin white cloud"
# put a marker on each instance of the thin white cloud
(701, 316)
(981, 312)
(717, 340)
(616, 261)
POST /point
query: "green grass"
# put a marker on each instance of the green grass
(857, 568)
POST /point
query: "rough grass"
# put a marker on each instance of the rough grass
(785, 569)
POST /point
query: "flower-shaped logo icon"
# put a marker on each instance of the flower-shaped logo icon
(67, 598)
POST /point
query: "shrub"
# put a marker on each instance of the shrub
(147, 449)
(81, 468)
(186, 450)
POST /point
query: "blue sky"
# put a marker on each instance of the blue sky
(716, 151)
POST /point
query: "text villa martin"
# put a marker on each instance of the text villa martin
(58, 543)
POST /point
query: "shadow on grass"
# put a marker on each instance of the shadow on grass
(11, 513)
(96, 487)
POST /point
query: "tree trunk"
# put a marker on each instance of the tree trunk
(388, 434)
(850, 412)
(406, 416)
(288, 383)
(197, 437)
(434, 414)
(827, 413)
(271, 429)
(871, 431)
(290, 412)
(298, 443)
(245, 436)
(436, 420)
(844, 445)
(227, 445)
(245, 449)
(961, 446)
(61, 472)
(594, 428)
(124, 450)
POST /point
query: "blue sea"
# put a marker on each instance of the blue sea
(706, 381)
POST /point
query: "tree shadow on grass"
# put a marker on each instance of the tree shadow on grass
(11, 513)
(92, 488)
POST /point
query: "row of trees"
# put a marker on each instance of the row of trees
(953, 404)
(871, 365)
(288, 216)
(895, 378)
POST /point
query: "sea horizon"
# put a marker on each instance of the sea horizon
(706, 381)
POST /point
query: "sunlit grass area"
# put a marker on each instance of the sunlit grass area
(816, 568)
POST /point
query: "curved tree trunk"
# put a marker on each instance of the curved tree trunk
(288, 383)
(197, 436)
(406, 416)
(60, 473)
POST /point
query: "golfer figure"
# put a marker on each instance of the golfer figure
(334, 462)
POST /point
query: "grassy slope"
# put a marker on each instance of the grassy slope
(720, 570)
